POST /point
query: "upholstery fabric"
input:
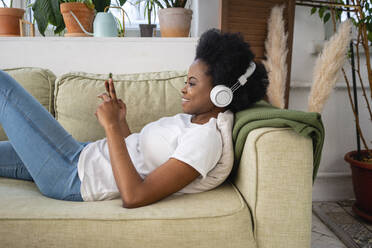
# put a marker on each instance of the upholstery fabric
(275, 178)
(215, 218)
(148, 97)
(38, 82)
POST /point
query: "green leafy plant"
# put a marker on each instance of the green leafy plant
(150, 6)
(171, 3)
(325, 13)
(361, 18)
(120, 29)
(121, 26)
(48, 12)
(10, 4)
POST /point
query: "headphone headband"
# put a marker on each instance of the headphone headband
(251, 68)
(243, 78)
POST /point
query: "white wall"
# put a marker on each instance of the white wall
(124, 55)
(97, 55)
(205, 16)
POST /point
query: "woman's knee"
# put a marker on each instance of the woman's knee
(47, 191)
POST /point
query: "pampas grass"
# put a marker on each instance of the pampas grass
(327, 67)
(276, 54)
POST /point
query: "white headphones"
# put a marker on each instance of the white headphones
(221, 95)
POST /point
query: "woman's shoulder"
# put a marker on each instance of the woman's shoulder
(179, 118)
(207, 130)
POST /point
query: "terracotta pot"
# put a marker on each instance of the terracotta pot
(9, 21)
(362, 184)
(83, 13)
(175, 22)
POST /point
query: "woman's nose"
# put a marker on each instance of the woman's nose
(183, 90)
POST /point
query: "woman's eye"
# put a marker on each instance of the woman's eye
(191, 84)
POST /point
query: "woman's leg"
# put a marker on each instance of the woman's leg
(48, 152)
(11, 165)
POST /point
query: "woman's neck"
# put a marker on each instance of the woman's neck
(205, 117)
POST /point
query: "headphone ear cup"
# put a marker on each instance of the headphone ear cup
(221, 96)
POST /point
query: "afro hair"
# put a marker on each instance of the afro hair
(228, 56)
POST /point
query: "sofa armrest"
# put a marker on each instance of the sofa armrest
(275, 179)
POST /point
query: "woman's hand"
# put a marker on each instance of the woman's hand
(111, 111)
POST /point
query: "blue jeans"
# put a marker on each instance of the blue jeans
(39, 148)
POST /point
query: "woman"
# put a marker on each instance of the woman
(142, 168)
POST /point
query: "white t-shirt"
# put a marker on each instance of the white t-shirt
(200, 146)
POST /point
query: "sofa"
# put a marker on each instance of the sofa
(266, 203)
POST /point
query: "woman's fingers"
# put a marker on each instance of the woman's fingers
(112, 90)
(104, 97)
(107, 87)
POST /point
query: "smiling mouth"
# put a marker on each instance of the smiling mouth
(185, 100)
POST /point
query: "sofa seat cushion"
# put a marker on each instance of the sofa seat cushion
(38, 82)
(153, 94)
(215, 218)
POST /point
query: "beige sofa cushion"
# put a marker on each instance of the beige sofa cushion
(154, 95)
(216, 218)
(38, 82)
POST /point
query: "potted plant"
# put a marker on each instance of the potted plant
(9, 19)
(147, 30)
(121, 26)
(174, 18)
(360, 160)
(84, 11)
(57, 13)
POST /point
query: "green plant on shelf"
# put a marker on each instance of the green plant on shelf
(150, 7)
(10, 4)
(171, 3)
(47, 12)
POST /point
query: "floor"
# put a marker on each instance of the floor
(322, 237)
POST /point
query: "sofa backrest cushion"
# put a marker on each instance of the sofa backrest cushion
(148, 97)
(38, 82)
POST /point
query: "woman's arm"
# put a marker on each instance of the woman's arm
(162, 182)
(126, 176)
(168, 178)
(124, 128)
